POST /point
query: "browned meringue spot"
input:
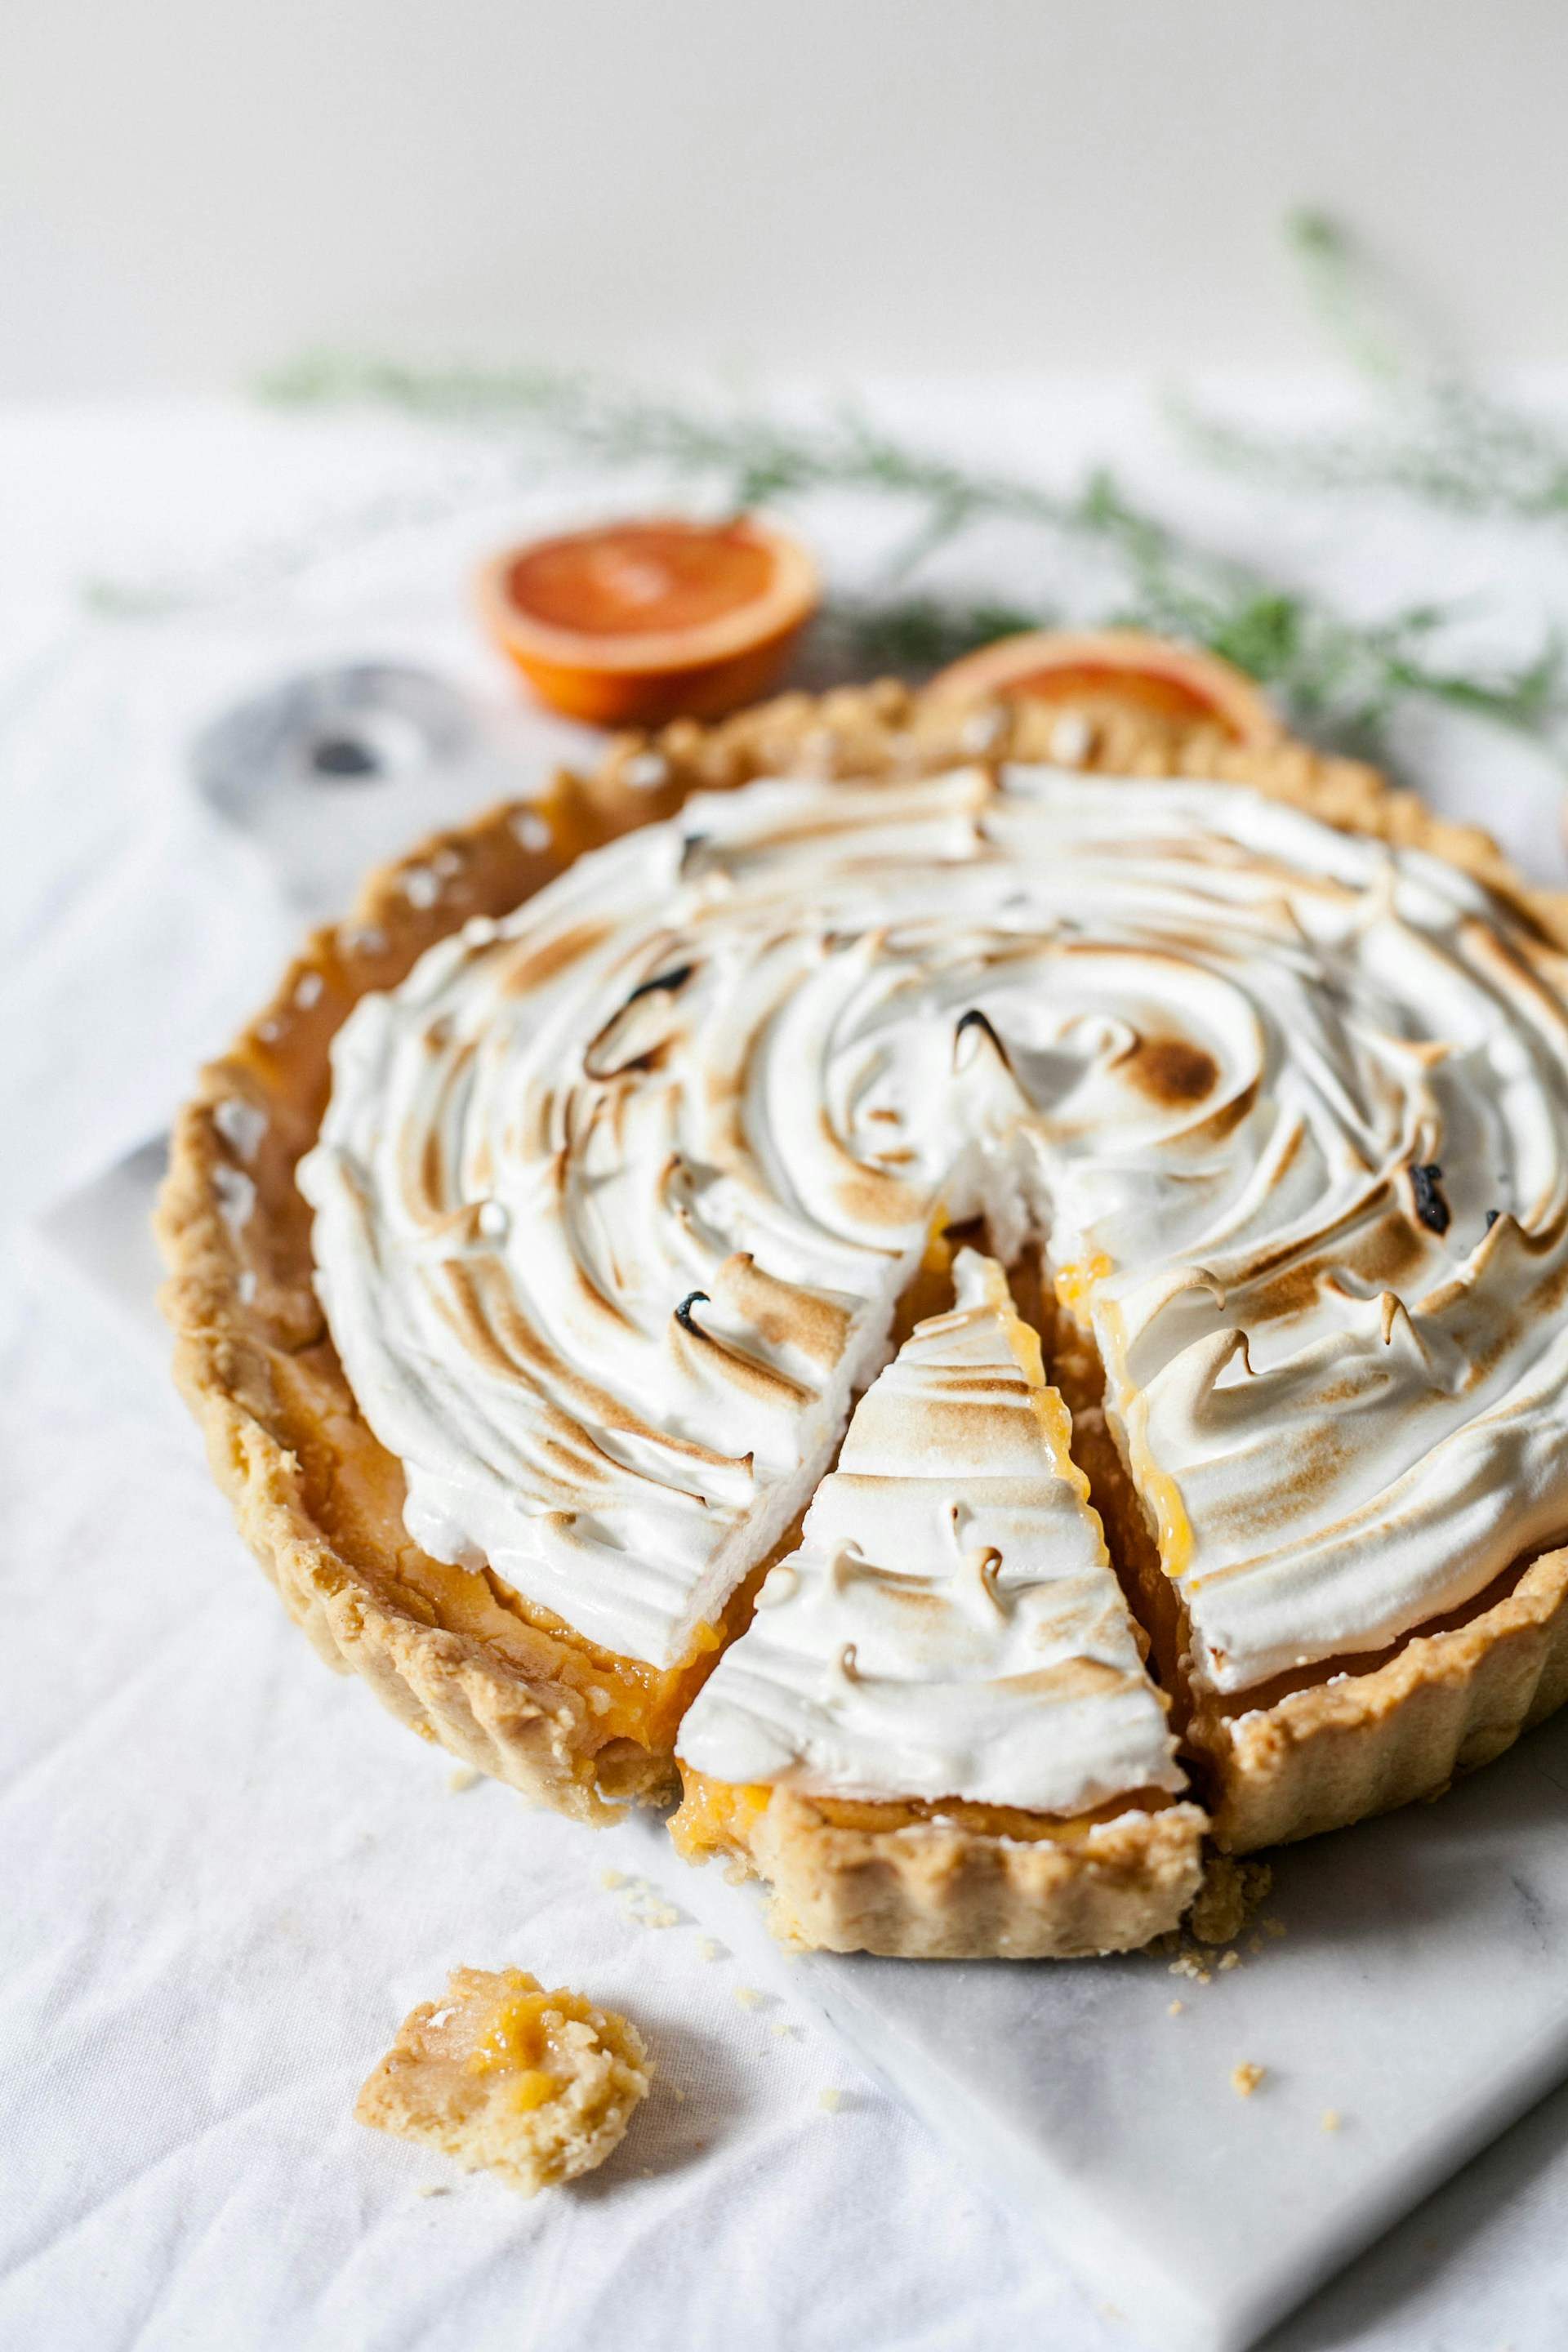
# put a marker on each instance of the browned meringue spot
(783, 1313)
(963, 1423)
(1071, 1678)
(1384, 1253)
(531, 963)
(485, 1311)
(1171, 1071)
(1309, 1464)
(764, 1382)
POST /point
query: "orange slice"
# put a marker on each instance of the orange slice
(1116, 669)
(633, 623)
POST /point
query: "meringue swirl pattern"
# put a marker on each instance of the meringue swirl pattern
(950, 1622)
(614, 1200)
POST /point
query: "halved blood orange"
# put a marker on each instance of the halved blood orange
(630, 623)
(1104, 669)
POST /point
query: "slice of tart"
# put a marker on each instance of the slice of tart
(938, 1736)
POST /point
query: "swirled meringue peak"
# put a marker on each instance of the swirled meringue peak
(951, 1624)
(614, 1200)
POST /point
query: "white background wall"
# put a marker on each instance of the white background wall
(191, 188)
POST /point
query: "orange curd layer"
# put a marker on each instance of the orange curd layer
(722, 1816)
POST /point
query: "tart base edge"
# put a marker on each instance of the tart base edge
(939, 1890)
(535, 1735)
(1339, 1751)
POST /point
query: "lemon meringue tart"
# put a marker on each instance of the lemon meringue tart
(531, 1252)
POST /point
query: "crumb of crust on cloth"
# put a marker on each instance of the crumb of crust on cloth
(658, 1914)
(1244, 2079)
(503, 2076)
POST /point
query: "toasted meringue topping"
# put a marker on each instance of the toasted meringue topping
(951, 1625)
(720, 1076)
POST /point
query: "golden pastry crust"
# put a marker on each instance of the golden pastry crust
(317, 1499)
(1443, 1705)
(943, 1890)
(467, 1664)
(535, 2086)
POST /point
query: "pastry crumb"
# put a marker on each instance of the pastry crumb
(1331, 2119)
(831, 2100)
(535, 2086)
(612, 1879)
(1226, 1906)
(748, 1996)
(1230, 1896)
(1244, 2079)
(1174, 2007)
(434, 2188)
(783, 2029)
(463, 1777)
(711, 1949)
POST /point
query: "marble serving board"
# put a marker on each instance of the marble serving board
(1416, 2003)
(1412, 1983)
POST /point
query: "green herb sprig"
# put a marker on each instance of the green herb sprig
(1433, 433)
(1345, 678)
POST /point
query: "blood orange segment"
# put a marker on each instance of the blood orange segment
(630, 623)
(1120, 670)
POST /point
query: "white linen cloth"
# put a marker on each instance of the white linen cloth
(227, 1874)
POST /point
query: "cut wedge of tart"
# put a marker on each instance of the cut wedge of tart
(1089, 675)
(622, 1154)
(938, 1736)
(631, 623)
